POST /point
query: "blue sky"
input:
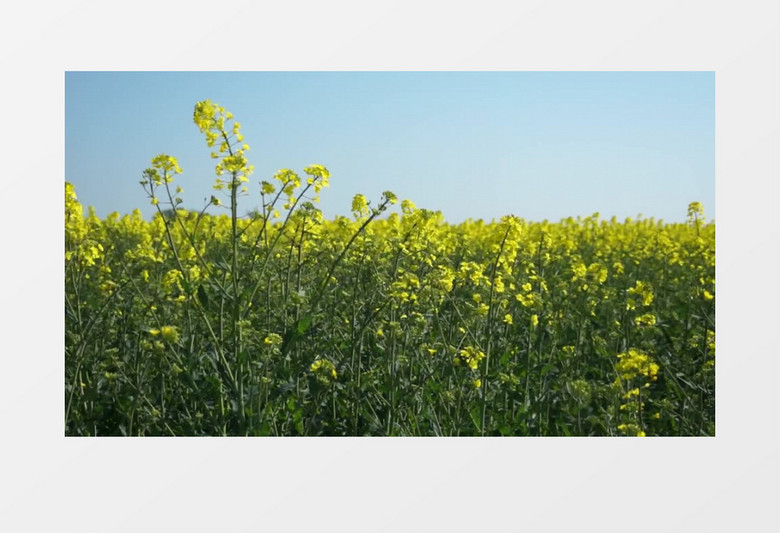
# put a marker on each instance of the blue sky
(540, 145)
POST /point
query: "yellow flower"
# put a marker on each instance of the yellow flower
(648, 319)
(471, 356)
(273, 339)
(166, 163)
(267, 188)
(359, 205)
(170, 334)
(630, 394)
(324, 369)
(390, 196)
(578, 271)
(695, 210)
(634, 363)
(643, 290)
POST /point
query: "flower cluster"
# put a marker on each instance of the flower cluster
(212, 120)
(324, 370)
(471, 356)
(633, 364)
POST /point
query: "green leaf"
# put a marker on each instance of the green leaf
(304, 324)
(476, 417)
(505, 431)
(546, 369)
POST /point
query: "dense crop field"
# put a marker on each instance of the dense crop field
(388, 322)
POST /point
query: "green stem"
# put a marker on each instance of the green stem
(485, 369)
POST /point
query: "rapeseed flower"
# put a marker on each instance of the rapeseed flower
(273, 339)
(267, 188)
(648, 319)
(695, 211)
(643, 291)
(634, 363)
(170, 334)
(324, 370)
(471, 356)
(360, 206)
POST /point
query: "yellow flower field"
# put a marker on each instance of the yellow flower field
(391, 321)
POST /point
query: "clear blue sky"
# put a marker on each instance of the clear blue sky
(540, 145)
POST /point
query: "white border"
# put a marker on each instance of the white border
(726, 483)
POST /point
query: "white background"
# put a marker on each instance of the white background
(726, 483)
